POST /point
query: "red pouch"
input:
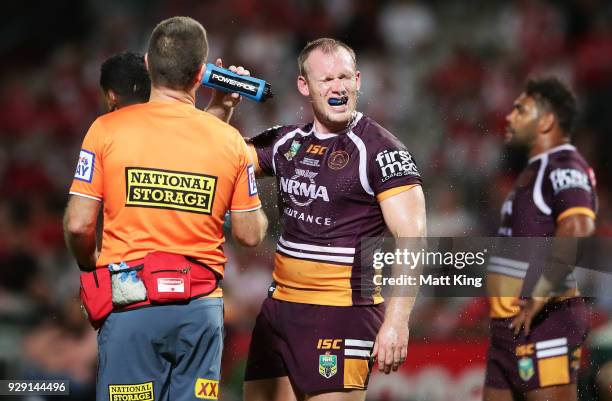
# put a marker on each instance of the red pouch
(167, 277)
(96, 295)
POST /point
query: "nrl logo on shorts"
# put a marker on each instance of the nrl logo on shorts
(328, 365)
(525, 367)
(293, 149)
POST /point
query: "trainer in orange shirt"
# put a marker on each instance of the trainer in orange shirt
(167, 174)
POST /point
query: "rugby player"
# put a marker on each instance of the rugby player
(163, 192)
(341, 178)
(124, 80)
(535, 343)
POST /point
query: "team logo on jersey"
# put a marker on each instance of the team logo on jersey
(207, 389)
(293, 149)
(131, 392)
(395, 163)
(85, 166)
(525, 368)
(252, 182)
(566, 178)
(165, 189)
(303, 193)
(338, 160)
(328, 365)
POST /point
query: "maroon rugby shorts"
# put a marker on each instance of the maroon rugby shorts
(549, 356)
(320, 348)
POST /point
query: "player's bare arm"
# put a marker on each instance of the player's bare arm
(249, 228)
(80, 230)
(577, 225)
(574, 226)
(404, 216)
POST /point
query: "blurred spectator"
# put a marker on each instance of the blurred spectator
(406, 26)
(63, 348)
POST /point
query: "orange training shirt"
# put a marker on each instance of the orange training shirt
(167, 173)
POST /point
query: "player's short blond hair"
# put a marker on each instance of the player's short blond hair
(327, 46)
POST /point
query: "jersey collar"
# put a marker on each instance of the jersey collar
(320, 135)
(565, 146)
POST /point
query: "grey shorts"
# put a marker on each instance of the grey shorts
(161, 353)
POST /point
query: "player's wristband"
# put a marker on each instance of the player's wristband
(227, 81)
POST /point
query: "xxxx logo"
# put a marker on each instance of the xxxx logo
(207, 389)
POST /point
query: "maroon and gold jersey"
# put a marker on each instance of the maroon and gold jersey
(556, 184)
(329, 187)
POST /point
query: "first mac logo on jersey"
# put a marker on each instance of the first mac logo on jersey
(165, 189)
(395, 163)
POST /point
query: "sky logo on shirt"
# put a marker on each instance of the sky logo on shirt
(85, 166)
(252, 183)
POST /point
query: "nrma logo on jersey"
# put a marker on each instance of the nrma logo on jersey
(165, 189)
(302, 188)
(395, 163)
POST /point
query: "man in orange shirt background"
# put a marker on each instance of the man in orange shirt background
(167, 174)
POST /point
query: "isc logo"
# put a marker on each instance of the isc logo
(316, 149)
(329, 343)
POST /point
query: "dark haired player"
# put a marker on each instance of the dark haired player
(124, 80)
(553, 196)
